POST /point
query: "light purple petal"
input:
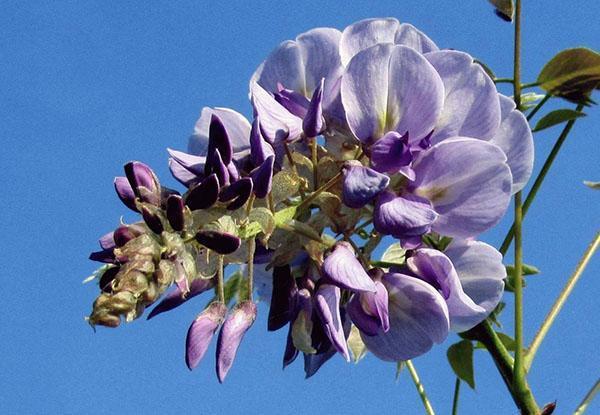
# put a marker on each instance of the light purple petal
(361, 184)
(468, 183)
(369, 311)
(343, 269)
(391, 88)
(364, 34)
(437, 269)
(402, 216)
(327, 305)
(107, 241)
(418, 319)
(276, 122)
(125, 192)
(480, 271)
(236, 125)
(201, 333)
(471, 106)
(181, 174)
(408, 35)
(391, 153)
(239, 320)
(194, 164)
(283, 66)
(515, 139)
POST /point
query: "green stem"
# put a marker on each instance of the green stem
(530, 85)
(289, 228)
(332, 182)
(251, 248)
(540, 178)
(538, 107)
(519, 370)
(560, 301)
(220, 284)
(420, 388)
(456, 395)
(588, 399)
(503, 80)
(315, 161)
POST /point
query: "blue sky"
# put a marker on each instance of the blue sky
(88, 86)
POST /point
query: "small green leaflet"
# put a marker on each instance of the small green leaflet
(592, 185)
(557, 117)
(460, 356)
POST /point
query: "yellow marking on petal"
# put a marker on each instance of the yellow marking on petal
(433, 194)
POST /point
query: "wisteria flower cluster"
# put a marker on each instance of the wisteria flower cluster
(372, 134)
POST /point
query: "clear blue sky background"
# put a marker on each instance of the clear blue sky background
(87, 86)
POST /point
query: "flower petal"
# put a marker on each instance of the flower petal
(402, 216)
(313, 123)
(204, 195)
(361, 184)
(369, 311)
(276, 122)
(391, 153)
(281, 309)
(321, 58)
(471, 106)
(327, 305)
(418, 319)
(201, 333)
(262, 177)
(364, 34)
(437, 269)
(234, 328)
(125, 192)
(468, 183)
(220, 242)
(391, 88)
(515, 139)
(408, 35)
(343, 269)
(236, 126)
(176, 297)
(480, 271)
(259, 148)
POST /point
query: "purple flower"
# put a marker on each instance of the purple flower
(239, 320)
(433, 294)
(202, 331)
(361, 184)
(343, 269)
(176, 297)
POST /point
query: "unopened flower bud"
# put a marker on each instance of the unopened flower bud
(202, 331)
(313, 123)
(175, 212)
(203, 195)
(220, 242)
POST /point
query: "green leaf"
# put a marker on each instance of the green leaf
(592, 185)
(301, 330)
(510, 275)
(285, 185)
(556, 117)
(394, 254)
(507, 341)
(261, 220)
(504, 9)
(529, 100)
(460, 356)
(495, 314)
(356, 345)
(572, 74)
(284, 215)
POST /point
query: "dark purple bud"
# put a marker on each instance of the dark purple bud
(234, 174)
(327, 304)
(262, 177)
(175, 212)
(152, 219)
(549, 408)
(234, 328)
(218, 141)
(343, 269)
(107, 256)
(239, 192)
(220, 242)
(391, 153)
(202, 331)
(313, 123)
(125, 192)
(403, 216)
(107, 278)
(176, 297)
(259, 148)
(144, 182)
(262, 255)
(204, 195)
(124, 234)
(361, 184)
(282, 299)
(293, 101)
(291, 353)
(215, 165)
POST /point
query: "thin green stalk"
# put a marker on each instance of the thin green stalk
(538, 106)
(588, 399)
(220, 284)
(530, 85)
(560, 301)
(251, 248)
(420, 388)
(503, 80)
(289, 228)
(332, 182)
(315, 161)
(540, 179)
(456, 395)
(519, 370)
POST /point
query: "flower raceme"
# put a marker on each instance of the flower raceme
(361, 136)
